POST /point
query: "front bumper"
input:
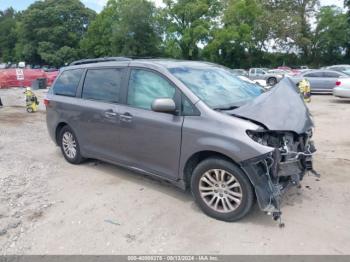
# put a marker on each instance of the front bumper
(271, 175)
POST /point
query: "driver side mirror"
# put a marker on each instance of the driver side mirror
(164, 105)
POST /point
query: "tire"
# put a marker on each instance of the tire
(239, 186)
(30, 110)
(271, 81)
(70, 146)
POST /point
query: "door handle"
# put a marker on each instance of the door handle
(110, 114)
(127, 117)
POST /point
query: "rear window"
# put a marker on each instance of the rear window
(67, 83)
(103, 85)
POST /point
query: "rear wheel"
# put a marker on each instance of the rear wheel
(70, 146)
(221, 189)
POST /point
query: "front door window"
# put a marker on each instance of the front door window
(146, 86)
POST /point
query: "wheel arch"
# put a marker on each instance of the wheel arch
(198, 157)
(58, 130)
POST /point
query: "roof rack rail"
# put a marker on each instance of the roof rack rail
(100, 60)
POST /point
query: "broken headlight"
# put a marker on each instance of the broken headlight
(269, 138)
(266, 138)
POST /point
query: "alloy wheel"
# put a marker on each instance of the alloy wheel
(220, 190)
(69, 145)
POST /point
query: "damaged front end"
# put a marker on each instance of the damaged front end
(273, 173)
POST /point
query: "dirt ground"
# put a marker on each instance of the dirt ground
(48, 206)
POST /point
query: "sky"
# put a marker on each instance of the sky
(97, 5)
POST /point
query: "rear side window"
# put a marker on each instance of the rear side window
(67, 83)
(103, 85)
(314, 74)
(338, 68)
(331, 74)
(260, 72)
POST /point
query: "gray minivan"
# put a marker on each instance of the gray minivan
(194, 124)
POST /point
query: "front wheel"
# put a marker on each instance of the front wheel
(70, 146)
(222, 190)
(271, 81)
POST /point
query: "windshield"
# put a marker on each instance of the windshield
(216, 86)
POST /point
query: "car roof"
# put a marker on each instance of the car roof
(164, 63)
(323, 71)
(339, 66)
(170, 63)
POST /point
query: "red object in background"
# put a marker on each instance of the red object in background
(51, 76)
(288, 69)
(19, 77)
(46, 102)
(338, 83)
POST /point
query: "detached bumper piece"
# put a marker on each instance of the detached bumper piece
(274, 173)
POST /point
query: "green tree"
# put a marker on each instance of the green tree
(188, 24)
(97, 41)
(291, 24)
(304, 10)
(330, 38)
(8, 36)
(50, 31)
(347, 5)
(242, 38)
(124, 27)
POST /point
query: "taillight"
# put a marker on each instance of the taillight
(46, 102)
(338, 83)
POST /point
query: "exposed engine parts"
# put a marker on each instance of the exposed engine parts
(282, 168)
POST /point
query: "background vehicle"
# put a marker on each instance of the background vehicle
(193, 124)
(260, 83)
(262, 74)
(340, 68)
(240, 72)
(243, 74)
(321, 81)
(342, 88)
(279, 72)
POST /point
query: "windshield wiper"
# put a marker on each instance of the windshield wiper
(226, 108)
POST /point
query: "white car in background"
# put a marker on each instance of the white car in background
(263, 74)
(258, 82)
(342, 88)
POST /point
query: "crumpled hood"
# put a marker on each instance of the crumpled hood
(280, 109)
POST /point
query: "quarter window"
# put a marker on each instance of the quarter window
(187, 108)
(103, 85)
(145, 87)
(67, 83)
